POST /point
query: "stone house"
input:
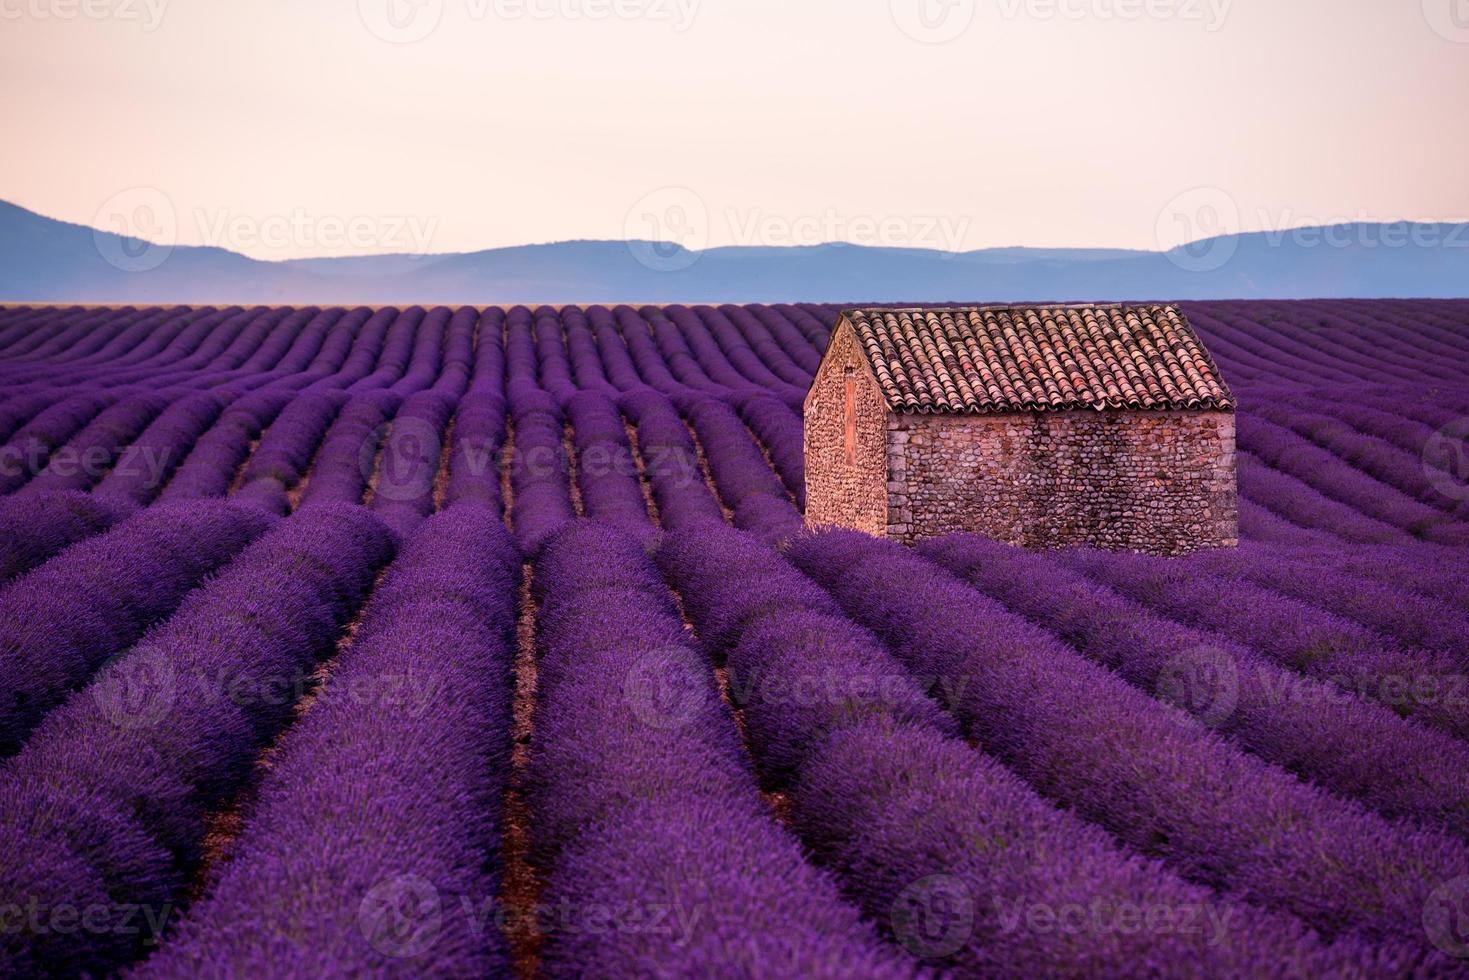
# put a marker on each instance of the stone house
(1054, 426)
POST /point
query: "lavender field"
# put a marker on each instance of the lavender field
(406, 642)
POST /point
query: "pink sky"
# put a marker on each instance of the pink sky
(283, 128)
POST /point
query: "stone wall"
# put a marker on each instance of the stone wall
(845, 488)
(1161, 482)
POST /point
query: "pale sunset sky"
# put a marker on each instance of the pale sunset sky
(288, 128)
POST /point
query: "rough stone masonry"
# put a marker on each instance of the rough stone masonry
(1157, 480)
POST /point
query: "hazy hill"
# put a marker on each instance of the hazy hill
(42, 259)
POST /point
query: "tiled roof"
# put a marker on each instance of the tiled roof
(1007, 359)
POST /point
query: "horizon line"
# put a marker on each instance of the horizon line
(625, 242)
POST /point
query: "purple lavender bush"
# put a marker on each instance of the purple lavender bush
(415, 718)
(1151, 774)
(167, 730)
(60, 622)
(643, 794)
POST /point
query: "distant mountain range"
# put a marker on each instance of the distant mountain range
(44, 260)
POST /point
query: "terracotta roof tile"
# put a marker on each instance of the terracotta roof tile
(1007, 359)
